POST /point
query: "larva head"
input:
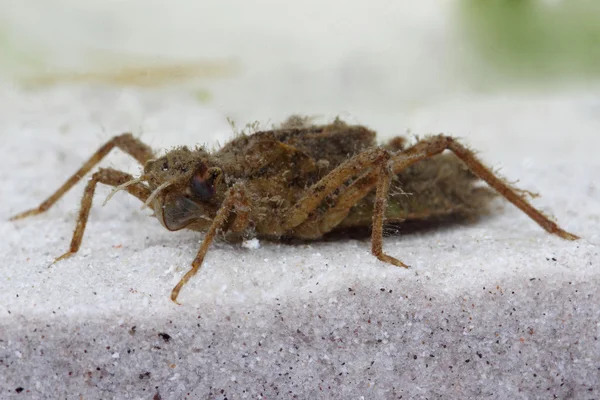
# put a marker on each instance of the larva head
(187, 188)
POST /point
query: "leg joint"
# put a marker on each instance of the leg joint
(127, 136)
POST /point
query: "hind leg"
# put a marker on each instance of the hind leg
(435, 145)
(379, 175)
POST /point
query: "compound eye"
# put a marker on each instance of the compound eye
(203, 185)
(202, 189)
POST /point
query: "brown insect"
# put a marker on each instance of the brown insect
(298, 181)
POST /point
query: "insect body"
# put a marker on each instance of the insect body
(300, 181)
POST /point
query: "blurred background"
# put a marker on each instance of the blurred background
(381, 62)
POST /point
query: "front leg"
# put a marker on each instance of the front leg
(126, 142)
(109, 177)
(235, 203)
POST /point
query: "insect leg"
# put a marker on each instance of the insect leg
(380, 177)
(234, 201)
(319, 223)
(437, 144)
(383, 185)
(109, 177)
(126, 142)
(356, 166)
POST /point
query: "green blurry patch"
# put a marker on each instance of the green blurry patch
(203, 96)
(535, 39)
